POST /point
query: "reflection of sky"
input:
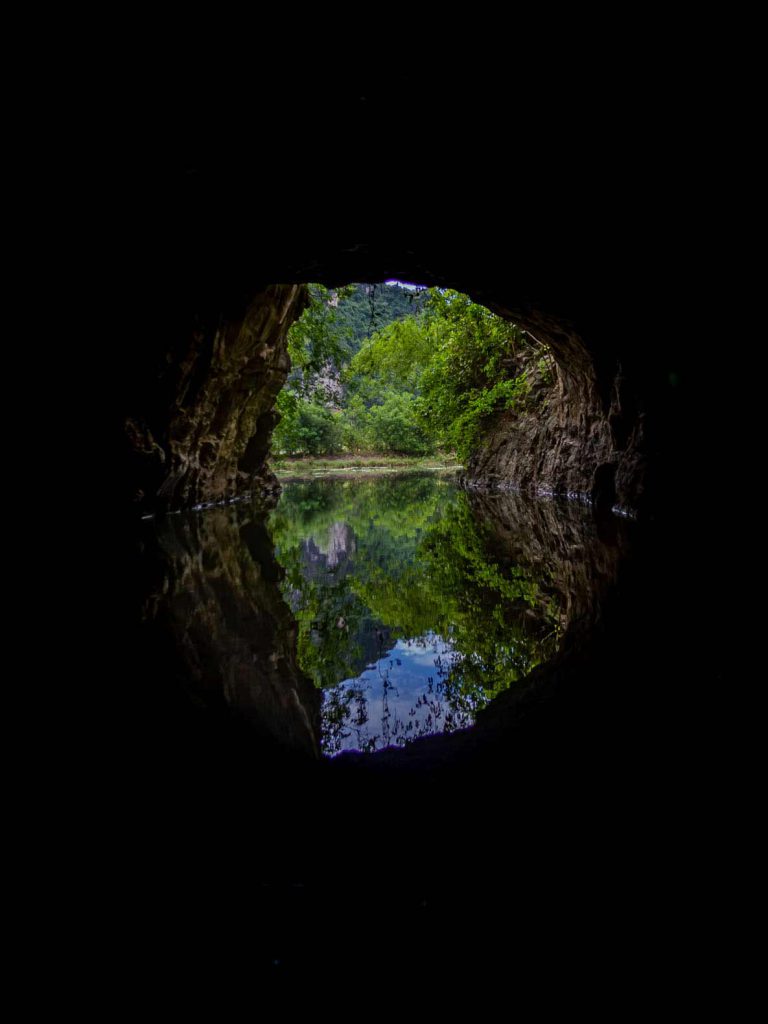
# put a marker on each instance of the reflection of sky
(404, 696)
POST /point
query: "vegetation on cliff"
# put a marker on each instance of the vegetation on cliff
(424, 373)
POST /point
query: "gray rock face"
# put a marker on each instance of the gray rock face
(200, 432)
(565, 439)
(203, 430)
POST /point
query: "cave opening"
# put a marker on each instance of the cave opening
(236, 737)
(575, 835)
(412, 612)
(407, 510)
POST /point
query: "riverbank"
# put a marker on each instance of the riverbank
(330, 465)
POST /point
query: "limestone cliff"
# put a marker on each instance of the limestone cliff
(200, 415)
(202, 429)
(566, 437)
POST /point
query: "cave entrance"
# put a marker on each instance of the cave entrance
(199, 411)
(353, 398)
(443, 597)
(412, 613)
(383, 374)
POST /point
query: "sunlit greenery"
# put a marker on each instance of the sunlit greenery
(429, 379)
(472, 374)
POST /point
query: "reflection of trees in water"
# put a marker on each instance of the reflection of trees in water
(332, 538)
(374, 562)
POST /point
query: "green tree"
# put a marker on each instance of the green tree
(306, 428)
(435, 378)
(395, 427)
(316, 339)
(472, 374)
(393, 357)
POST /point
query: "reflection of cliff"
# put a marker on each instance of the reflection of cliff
(509, 579)
(233, 636)
(330, 560)
(341, 544)
(573, 557)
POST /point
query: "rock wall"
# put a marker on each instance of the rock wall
(570, 436)
(201, 432)
(201, 412)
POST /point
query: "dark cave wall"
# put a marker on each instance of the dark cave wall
(214, 618)
(200, 423)
(570, 437)
(199, 414)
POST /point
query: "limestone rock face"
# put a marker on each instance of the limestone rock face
(566, 438)
(202, 431)
(200, 394)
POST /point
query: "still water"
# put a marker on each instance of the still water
(410, 618)
(362, 613)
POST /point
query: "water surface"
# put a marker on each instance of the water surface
(362, 613)
(410, 620)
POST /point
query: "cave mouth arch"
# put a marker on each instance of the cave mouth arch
(599, 770)
(206, 375)
(397, 370)
(200, 411)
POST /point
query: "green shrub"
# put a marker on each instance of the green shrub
(306, 428)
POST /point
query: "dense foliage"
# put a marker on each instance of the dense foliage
(367, 308)
(429, 379)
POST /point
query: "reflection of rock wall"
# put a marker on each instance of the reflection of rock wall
(234, 637)
(330, 564)
(341, 544)
(574, 556)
